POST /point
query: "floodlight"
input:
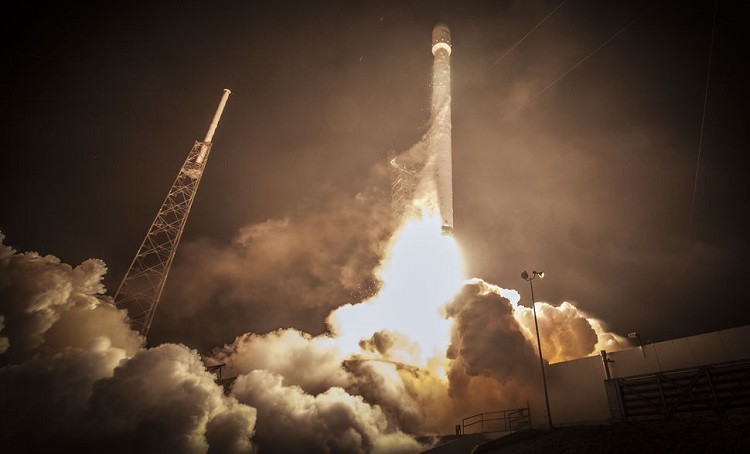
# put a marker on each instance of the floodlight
(525, 276)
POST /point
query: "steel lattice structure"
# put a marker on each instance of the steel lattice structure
(141, 288)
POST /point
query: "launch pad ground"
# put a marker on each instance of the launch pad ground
(700, 434)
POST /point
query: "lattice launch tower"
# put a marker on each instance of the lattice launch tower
(141, 288)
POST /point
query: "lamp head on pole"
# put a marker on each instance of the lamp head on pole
(525, 275)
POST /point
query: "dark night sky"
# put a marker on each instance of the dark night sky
(591, 181)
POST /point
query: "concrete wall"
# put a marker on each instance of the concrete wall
(576, 388)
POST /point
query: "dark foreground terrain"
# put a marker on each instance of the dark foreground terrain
(715, 435)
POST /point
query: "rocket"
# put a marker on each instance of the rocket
(440, 112)
(441, 39)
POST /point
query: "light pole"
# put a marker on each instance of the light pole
(525, 276)
(635, 335)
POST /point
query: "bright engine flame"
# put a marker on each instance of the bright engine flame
(423, 271)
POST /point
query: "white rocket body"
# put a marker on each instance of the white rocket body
(441, 39)
(213, 125)
(440, 137)
(217, 116)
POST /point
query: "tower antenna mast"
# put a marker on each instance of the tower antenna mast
(141, 288)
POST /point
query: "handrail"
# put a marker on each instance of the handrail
(508, 418)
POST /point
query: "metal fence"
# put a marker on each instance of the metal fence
(497, 421)
(714, 389)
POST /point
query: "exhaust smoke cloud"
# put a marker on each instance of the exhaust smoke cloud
(427, 349)
(74, 376)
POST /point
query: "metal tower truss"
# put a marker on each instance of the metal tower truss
(141, 288)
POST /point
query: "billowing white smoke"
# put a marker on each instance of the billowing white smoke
(75, 377)
(312, 363)
(291, 420)
(164, 400)
(310, 262)
(49, 306)
(491, 363)
(486, 340)
(566, 331)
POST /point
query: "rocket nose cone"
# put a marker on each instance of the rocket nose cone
(441, 34)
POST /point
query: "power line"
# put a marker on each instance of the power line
(703, 118)
(519, 41)
(581, 61)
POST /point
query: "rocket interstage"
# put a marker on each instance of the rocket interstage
(440, 137)
(441, 39)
